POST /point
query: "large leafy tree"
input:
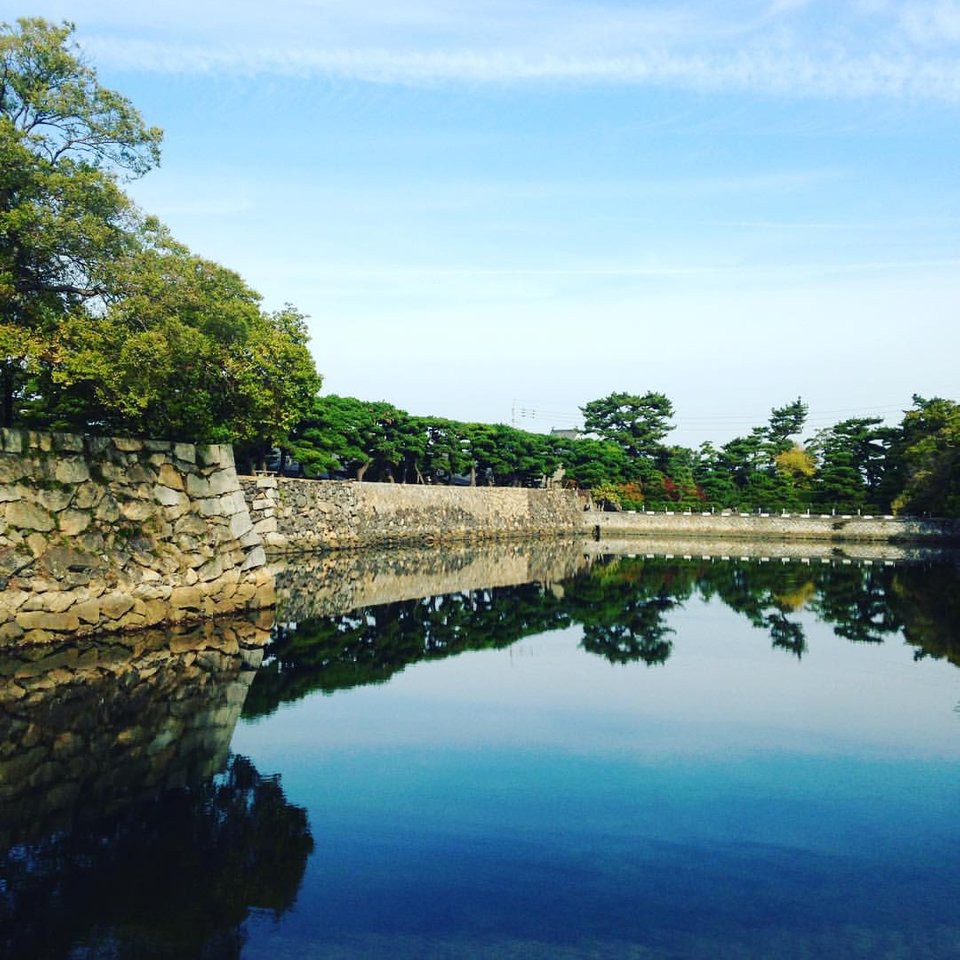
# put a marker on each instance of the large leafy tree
(106, 322)
(183, 351)
(64, 221)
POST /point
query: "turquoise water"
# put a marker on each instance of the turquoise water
(654, 759)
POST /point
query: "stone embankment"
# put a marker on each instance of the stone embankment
(295, 515)
(771, 527)
(103, 533)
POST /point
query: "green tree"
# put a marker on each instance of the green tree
(926, 459)
(342, 433)
(64, 221)
(590, 462)
(636, 423)
(852, 459)
(184, 351)
(785, 422)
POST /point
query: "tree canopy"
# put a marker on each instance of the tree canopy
(106, 322)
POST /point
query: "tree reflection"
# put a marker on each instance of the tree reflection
(371, 644)
(173, 878)
(624, 606)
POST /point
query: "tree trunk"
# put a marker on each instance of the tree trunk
(361, 470)
(473, 475)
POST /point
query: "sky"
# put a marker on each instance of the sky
(498, 211)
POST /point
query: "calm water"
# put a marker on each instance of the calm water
(634, 757)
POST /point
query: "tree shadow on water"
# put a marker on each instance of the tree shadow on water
(172, 878)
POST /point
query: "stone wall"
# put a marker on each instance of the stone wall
(292, 515)
(100, 533)
(769, 527)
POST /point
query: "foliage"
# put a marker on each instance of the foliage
(635, 423)
(928, 458)
(64, 221)
(607, 495)
(106, 322)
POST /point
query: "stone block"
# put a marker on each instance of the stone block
(169, 497)
(185, 451)
(73, 522)
(41, 620)
(28, 516)
(240, 525)
(127, 444)
(171, 477)
(211, 569)
(107, 510)
(190, 524)
(53, 500)
(8, 493)
(72, 470)
(267, 525)
(215, 454)
(251, 539)
(57, 602)
(138, 473)
(137, 510)
(186, 598)
(12, 440)
(88, 611)
(255, 558)
(68, 442)
(210, 507)
(115, 605)
(13, 469)
(231, 503)
(9, 632)
(198, 486)
(223, 481)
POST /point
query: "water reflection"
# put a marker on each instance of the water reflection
(93, 726)
(127, 828)
(624, 607)
(173, 877)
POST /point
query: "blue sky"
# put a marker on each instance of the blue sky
(494, 208)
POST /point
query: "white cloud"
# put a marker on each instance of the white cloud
(932, 23)
(759, 70)
(786, 47)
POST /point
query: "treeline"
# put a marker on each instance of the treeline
(624, 462)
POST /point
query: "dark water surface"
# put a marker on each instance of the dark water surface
(636, 757)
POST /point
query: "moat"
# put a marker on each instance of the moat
(520, 750)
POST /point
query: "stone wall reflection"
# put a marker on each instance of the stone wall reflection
(319, 585)
(99, 724)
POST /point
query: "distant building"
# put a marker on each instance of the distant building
(573, 434)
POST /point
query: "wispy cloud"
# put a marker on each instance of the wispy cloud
(758, 70)
(861, 48)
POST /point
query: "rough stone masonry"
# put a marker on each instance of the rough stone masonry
(112, 533)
